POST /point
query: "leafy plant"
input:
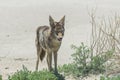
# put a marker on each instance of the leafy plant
(97, 62)
(81, 57)
(20, 75)
(42, 75)
(25, 74)
(69, 69)
(82, 53)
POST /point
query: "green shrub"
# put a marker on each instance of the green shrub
(97, 62)
(84, 63)
(69, 69)
(81, 57)
(80, 65)
(20, 75)
(28, 75)
(42, 75)
(87, 63)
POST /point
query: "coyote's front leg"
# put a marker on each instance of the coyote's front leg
(55, 62)
(49, 60)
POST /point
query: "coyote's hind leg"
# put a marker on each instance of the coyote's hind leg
(39, 50)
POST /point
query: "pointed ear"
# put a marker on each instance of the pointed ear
(51, 21)
(62, 21)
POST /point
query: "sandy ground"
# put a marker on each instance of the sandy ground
(20, 18)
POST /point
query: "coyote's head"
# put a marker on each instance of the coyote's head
(57, 28)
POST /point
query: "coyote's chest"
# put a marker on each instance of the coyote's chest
(55, 44)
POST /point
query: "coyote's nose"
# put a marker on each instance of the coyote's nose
(60, 39)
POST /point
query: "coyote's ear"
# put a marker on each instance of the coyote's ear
(51, 21)
(62, 21)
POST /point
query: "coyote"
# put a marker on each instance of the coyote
(48, 41)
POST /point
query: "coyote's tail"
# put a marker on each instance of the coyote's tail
(42, 55)
(37, 36)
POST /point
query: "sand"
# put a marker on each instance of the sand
(20, 18)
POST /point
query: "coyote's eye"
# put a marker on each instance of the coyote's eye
(57, 32)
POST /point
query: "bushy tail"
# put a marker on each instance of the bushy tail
(37, 36)
(42, 55)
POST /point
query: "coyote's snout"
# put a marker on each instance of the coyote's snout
(48, 41)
